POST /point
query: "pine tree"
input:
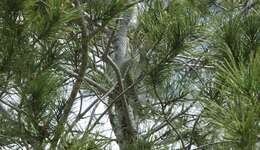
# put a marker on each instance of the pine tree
(158, 74)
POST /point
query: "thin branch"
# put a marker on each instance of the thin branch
(210, 144)
(156, 129)
(193, 131)
(114, 101)
(86, 79)
(75, 89)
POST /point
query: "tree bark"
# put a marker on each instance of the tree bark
(121, 116)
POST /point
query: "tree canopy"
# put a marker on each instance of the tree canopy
(130, 74)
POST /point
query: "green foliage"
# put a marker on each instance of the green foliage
(140, 145)
(165, 28)
(237, 115)
(40, 94)
(104, 11)
(47, 18)
(77, 143)
(29, 32)
(232, 101)
(240, 35)
(41, 50)
(201, 6)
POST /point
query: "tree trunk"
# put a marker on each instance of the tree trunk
(121, 115)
